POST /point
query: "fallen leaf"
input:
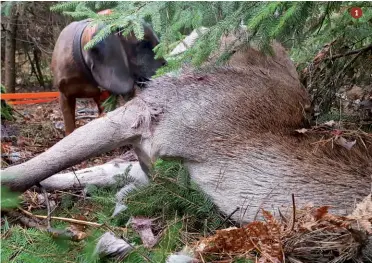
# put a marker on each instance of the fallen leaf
(345, 143)
(69, 233)
(143, 227)
(336, 132)
(363, 213)
(320, 212)
(303, 130)
(76, 234)
(309, 226)
(330, 123)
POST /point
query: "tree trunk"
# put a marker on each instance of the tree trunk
(33, 70)
(10, 47)
(39, 74)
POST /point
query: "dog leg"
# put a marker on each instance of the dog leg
(68, 111)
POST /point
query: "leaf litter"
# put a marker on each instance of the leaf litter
(314, 236)
(38, 127)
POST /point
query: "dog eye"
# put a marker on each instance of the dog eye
(145, 44)
(95, 50)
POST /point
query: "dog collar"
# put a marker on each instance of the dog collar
(77, 52)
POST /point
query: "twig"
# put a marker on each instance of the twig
(340, 118)
(68, 193)
(70, 220)
(293, 212)
(267, 256)
(47, 204)
(77, 178)
(322, 141)
(16, 111)
(263, 201)
(352, 52)
(60, 233)
(323, 18)
(349, 63)
(245, 209)
(284, 219)
(360, 40)
(201, 257)
(228, 217)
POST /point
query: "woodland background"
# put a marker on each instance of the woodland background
(331, 49)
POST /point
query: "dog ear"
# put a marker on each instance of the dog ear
(108, 63)
(140, 53)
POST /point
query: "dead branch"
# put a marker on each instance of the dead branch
(69, 220)
(352, 52)
(293, 212)
(47, 205)
(69, 233)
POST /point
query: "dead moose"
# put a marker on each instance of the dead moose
(232, 127)
(115, 64)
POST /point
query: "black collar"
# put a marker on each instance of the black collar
(77, 52)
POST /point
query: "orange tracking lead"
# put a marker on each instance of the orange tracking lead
(29, 98)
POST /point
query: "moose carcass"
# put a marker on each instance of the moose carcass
(232, 127)
(114, 64)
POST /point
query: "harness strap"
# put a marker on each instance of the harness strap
(77, 52)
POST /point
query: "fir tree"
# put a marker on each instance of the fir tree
(304, 27)
(292, 23)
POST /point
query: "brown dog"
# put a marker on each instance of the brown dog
(115, 64)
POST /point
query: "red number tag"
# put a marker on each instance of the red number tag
(356, 12)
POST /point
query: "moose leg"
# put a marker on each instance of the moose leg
(68, 105)
(101, 175)
(121, 127)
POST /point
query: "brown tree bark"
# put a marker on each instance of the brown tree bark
(39, 74)
(10, 48)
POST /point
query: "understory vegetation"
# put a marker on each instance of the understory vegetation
(6, 109)
(181, 211)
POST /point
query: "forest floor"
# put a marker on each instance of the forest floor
(38, 127)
